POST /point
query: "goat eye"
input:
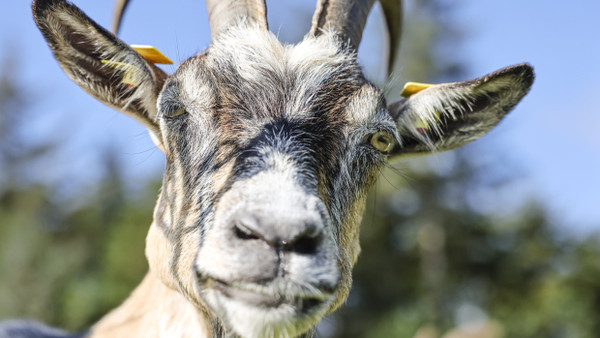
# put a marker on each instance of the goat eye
(382, 141)
(175, 112)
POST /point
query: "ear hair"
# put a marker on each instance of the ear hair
(447, 116)
(99, 62)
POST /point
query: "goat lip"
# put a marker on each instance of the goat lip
(303, 303)
(249, 297)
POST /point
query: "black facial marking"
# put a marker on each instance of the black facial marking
(301, 141)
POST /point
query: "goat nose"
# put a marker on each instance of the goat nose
(299, 235)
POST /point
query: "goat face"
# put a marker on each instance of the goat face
(271, 150)
(269, 162)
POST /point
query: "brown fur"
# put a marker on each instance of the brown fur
(153, 310)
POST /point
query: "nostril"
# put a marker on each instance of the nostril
(306, 243)
(243, 232)
(300, 236)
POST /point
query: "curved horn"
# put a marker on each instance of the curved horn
(392, 11)
(223, 14)
(120, 6)
(347, 17)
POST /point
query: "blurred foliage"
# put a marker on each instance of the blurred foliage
(432, 264)
(430, 260)
(62, 265)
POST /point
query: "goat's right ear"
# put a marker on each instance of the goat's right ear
(100, 63)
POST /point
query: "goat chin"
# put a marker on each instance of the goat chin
(251, 320)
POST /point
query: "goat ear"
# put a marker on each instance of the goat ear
(447, 116)
(99, 62)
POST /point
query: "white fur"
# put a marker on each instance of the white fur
(432, 107)
(274, 189)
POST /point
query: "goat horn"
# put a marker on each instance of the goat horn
(223, 14)
(392, 11)
(120, 6)
(346, 17)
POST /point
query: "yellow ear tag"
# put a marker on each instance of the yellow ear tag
(411, 88)
(152, 54)
(422, 126)
(131, 77)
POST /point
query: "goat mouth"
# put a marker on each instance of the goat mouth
(303, 303)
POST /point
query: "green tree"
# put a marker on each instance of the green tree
(61, 264)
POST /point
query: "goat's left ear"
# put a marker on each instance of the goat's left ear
(100, 63)
(447, 116)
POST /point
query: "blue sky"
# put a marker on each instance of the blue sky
(553, 136)
(554, 132)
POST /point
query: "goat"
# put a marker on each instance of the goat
(271, 149)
